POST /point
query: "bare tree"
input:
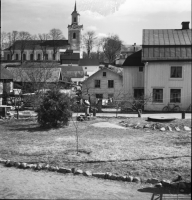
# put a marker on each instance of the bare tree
(89, 40)
(12, 37)
(24, 37)
(44, 37)
(55, 35)
(3, 40)
(111, 47)
(33, 44)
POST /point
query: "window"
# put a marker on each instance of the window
(158, 95)
(110, 83)
(46, 56)
(16, 57)
(39, 57)
(138, 93)
(31, 57)
(8, 57)
(74, 35)
(140, 69)
(24, 56)
(99, 96)
(176, 72)
(75, 19)
(175, 96)
(97, 83)
(104, 74)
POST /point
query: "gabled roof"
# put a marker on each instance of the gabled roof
(38, 74)
(111, 70)
(89, 62)
(36, 44)
(72, 71)
(5, 74)
(134, 59)
(166, 44)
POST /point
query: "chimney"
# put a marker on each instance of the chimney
(185, 25)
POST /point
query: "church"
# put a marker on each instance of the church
(39, 50)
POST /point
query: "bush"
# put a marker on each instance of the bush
(54, 109)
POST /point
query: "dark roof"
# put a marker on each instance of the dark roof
(73, 56)
(72, 71)
(89, 62)
(30, 44)
(166, 44)
(5, 74)
(134, 59)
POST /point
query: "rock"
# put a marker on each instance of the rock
(162, 129)
(169, 128)
(30, 166)
(147, 126)
(39, 166)
(107, 175)
(73, 170)
(7, 163)
(99, 175)
(136, 179)
(17, 164)
(78, 171)
(165, 183)
(186, 128)
(113, 177)
(130, 125)
(122, 178)
(152, 180)
(129, 178)
(174, 185)
(177, 128)
(158, 185)
(64, 170)
(46, 167)
(33, 166)
(53, 169)
(23, 165)
(3, 161)
(87, 173)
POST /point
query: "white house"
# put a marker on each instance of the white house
(166, 54)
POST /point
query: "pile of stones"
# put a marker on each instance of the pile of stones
(174, 184)
(154, 126)
(83, 118)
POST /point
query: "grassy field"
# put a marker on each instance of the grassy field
(136, 152)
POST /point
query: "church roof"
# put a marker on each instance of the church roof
(31, 44)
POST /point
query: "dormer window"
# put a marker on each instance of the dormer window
(74, 35)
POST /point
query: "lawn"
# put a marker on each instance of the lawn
(138, 152)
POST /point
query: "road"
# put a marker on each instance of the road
(28, 184)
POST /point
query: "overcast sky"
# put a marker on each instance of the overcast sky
(125, 18)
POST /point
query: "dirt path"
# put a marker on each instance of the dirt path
(27, 184)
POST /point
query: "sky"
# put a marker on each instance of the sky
(126, 18)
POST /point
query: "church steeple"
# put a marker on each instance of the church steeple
(75, 7)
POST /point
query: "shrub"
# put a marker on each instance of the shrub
(54, 109)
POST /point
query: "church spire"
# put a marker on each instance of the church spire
(75, 7)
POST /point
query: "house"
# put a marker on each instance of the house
(90, 66)
(126, 50)
(30, 79)
(133, 75)
(48, 49)
(104, 84)
(72, 73)
(6, 84)
(166, 74)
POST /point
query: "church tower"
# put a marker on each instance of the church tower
(75, 33)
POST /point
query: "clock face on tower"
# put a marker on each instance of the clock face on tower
(74, 26)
